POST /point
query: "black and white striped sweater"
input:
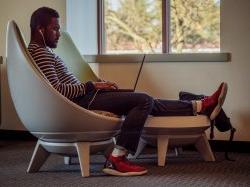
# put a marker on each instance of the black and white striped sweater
(56, 72)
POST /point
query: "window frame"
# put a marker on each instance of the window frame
(165, 29)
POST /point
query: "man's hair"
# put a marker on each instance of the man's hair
(42, 17)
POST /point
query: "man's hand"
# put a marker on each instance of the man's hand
(105, 85)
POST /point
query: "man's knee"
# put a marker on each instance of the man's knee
(146, 101)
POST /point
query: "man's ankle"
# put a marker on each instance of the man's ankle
(119, 151)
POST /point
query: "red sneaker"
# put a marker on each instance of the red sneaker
(211, 105)
(120, 166)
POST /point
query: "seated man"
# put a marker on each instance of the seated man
(45, 33)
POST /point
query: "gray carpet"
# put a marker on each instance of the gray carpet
(188, 169)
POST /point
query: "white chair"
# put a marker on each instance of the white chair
(61, 126)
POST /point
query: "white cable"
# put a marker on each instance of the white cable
(93, 99)
(43, 38)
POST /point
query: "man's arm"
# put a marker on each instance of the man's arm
(68, 86)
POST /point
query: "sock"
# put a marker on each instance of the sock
(118, 152)
(199, 105)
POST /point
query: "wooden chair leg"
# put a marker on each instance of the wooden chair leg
(83, 151)
(202, 145)
(162, 146)
(39, 156)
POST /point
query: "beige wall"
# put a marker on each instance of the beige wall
(166, 79)
(20, 11)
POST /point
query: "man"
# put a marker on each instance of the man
(45, 33)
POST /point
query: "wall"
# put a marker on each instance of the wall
(164, 80)
(81, 23)
(20, 11)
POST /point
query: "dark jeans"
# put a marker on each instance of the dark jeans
(136, 107)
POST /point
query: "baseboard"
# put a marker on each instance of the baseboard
(16, 135)
(234, 146)
(224, 145)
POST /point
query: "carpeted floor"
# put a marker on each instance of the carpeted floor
(188, 169)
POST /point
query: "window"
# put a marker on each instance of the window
(159, 26)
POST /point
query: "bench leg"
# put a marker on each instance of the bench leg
(162, 146)
(202, 145)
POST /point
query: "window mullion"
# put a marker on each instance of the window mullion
(165, 26)
(100, 26)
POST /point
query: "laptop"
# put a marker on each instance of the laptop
(136, 81)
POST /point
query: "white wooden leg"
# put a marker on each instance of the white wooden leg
(202, 145)
(67, 160)
(39, 156)
(83, 152)
(162, 146)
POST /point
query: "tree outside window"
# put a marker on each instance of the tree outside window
(136, 26)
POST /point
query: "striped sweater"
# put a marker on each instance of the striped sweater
(56, 72)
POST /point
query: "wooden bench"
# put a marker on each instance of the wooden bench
(176, 130)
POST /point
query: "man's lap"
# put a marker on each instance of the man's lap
(117, 102)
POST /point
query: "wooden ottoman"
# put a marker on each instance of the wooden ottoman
(176, 130)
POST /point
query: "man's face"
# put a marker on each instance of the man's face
(52, 33)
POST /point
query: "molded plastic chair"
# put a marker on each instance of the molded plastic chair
(60, 125)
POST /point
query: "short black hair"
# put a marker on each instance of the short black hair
(42, 17)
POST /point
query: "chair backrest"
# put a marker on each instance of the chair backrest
(71, 56)
(41, 108)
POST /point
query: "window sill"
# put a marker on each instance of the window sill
(150, 58)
